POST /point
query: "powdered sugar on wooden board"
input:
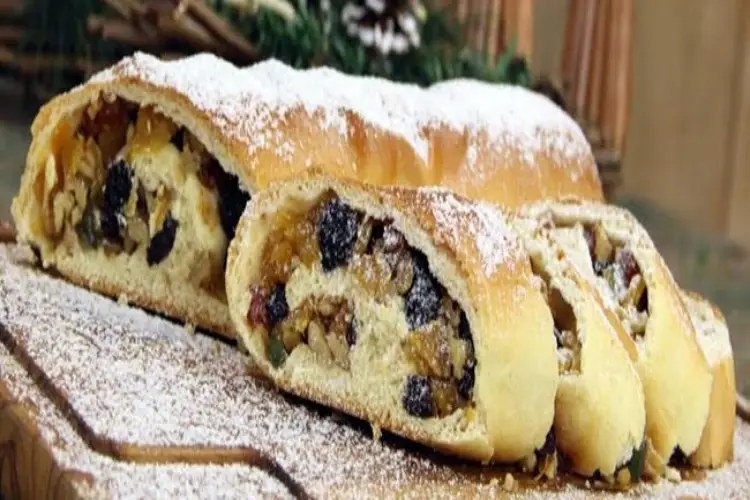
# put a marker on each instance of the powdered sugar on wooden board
(123, 480)
(251, 103)
(139, 379)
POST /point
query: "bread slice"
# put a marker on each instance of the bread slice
(166, 154)
(413, 309)
(717, 442)
(609, 248)
(600, 413)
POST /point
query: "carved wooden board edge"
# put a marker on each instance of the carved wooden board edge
(28, 468)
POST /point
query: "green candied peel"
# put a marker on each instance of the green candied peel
(637, 462)
(276, 352)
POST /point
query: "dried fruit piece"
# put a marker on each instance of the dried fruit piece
(276, 352)
(429, 351)
(466, 382)
(162, 242)
(256, 314)
(445, 395)
(417, 397)
(277, 308)
(404, 276)
(464, 332)
(626, 261)
(117, 186)
(423, 298)
(337, 233)
(86, 227)
(351, 334)
(603, 248)
(339, 349)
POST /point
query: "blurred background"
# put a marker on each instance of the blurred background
(662, 89)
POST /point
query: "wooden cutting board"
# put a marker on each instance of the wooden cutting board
(98, 399)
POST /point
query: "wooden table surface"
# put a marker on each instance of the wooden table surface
(704, 263)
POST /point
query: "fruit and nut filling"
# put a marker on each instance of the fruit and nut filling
(332, 236)
(565, 325)
(615, 265)
(124, 179)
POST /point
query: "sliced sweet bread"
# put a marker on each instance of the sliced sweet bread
(134, 180)
(600, 413)
(717, 442)
(610, 249)
(413, 309)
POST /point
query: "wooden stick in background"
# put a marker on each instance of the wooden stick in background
(525, 27)
(220, 28)
(495, 30)
(623, 38)
(598, 64)
(584, 66)
(121, 31)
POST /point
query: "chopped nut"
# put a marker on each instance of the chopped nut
(339, 348)
(363, 236)
(623, 477)
(317, 342)
(290, 336)
(603, 248)
(404, 274)
(159, 213)
(326, 307)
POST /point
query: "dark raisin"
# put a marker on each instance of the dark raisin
(162, 242)
(558, 337)
(337, 233)
(466, 383)
(588, 234)
(548, 448)
(351, 334)
(86, 227)
(417, 398)
(464, 332)
(678, 457)
(232, 199)
(642, 304)
(423, 298)
(117, 186)
(178, 139)
(627, 263)
(376, 235)
(276, 307)
(637, 462)
(256, 314)
(110, 225)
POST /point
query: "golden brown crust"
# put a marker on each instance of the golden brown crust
(717, 442)
(264, 123)
(602, 394)
(510, 322)
(674, 372)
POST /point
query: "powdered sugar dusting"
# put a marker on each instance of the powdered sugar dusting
(250, 104)
(142, 380)
(115, 479)
(484, 223)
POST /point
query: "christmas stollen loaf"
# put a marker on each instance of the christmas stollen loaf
(597, 429)
(134, 180)
(610, 249)
(413, 309)
(717, 442)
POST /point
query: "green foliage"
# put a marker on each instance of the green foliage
(311, 39)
